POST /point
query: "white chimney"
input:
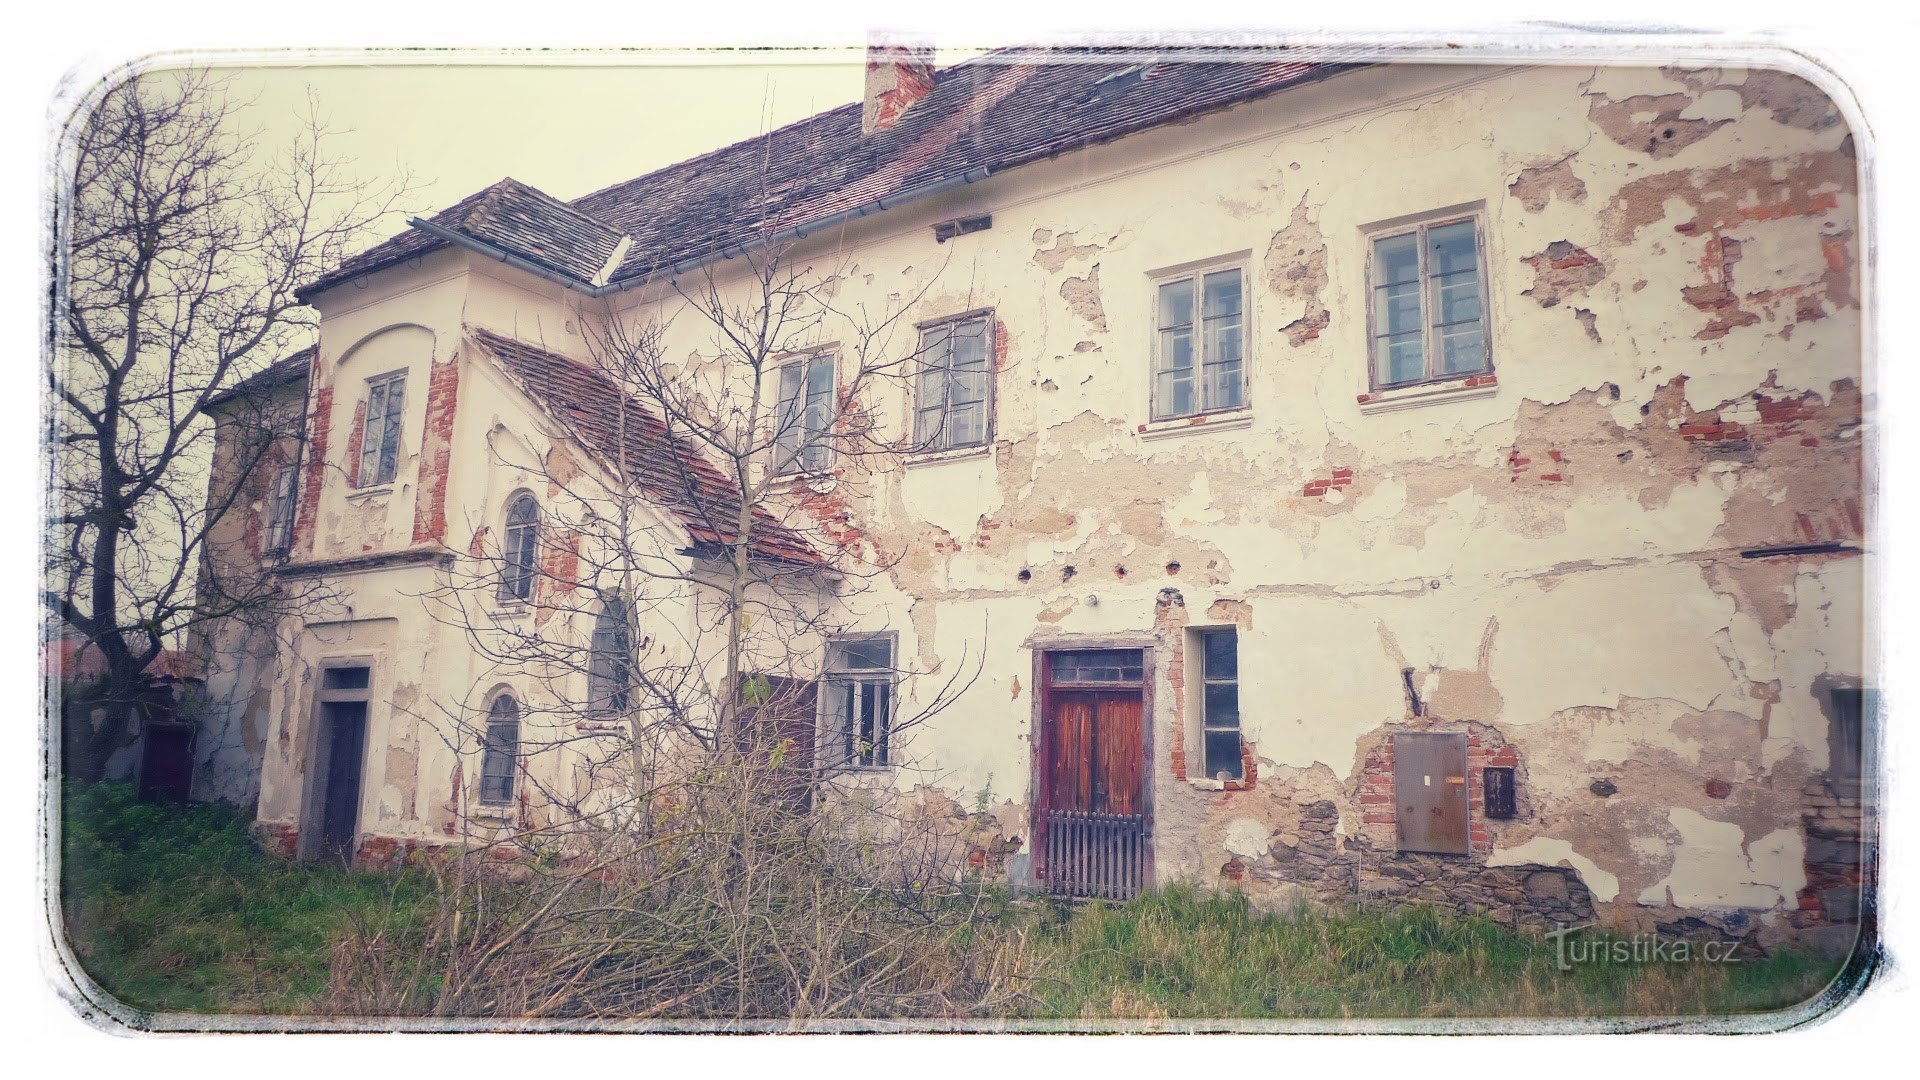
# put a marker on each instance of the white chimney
(899, 73)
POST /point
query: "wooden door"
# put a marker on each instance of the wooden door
(1095, 755)
(346, 735)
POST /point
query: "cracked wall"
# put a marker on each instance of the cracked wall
(1549, 556)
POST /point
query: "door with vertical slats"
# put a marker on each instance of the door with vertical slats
(1093, 822)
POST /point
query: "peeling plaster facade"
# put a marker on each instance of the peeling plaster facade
(1546, 560)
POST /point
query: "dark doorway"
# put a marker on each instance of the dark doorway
(345, 729)
(341, 750)
(1093, 774)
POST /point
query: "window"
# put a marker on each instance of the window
(805, 415)
(280, 511)
(1427, 320)
(953, 393)
(380, 439)
(1198, 345)
(1220, 702)
(502, 750)
(860, 699)
(1846, 731)
(610, 663)
(520, 548)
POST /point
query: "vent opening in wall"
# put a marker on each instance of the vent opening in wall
(947, 230)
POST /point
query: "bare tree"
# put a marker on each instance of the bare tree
(682, 842)
(180, 243)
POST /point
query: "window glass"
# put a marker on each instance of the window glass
(954, 388)
(1199, 353)
(859, 695)
(520, 549)
(1220, 703)
(1427, 312)
(502, 748)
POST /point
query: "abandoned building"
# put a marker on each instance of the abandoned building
(1349, 481)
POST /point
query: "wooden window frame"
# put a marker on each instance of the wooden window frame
(491, 748)
(1197, 273)
(282, 498)
(372, 446)
(516, 582)
(792, 461)
(845, 757)
(610, 665)
(990, 403)
(1429, 341)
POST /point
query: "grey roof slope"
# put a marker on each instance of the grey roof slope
(994, 112)
(289, 369)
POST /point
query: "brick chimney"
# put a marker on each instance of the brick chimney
(899, 73)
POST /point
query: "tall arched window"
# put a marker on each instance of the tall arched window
(521, 546)
(502, 751)
(610, 662)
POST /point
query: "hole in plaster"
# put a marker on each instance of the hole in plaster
(1066, 573)
(1024, 575)
(1119, 571)
(1173, 568)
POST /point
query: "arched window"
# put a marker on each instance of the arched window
(521, 545)
(502, 751)
(610, 662)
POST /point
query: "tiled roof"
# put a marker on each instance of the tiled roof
(664, 467)
(285, 371)
(998, 111)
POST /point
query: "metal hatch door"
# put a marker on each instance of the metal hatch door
(1430, 792)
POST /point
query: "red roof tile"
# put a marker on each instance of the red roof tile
(664, 467)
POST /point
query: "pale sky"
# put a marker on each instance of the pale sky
(566, 129)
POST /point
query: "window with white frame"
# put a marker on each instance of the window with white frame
(380, 438)
(520, 547)
(1427, 317)
(1199, 344)
(501, 753)
(859, 700)
(805, 415)
(953, 391)
(1220, 702)
(279, 532)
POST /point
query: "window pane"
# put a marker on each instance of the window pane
(1222, 654)
(1222, 294)
(1223, 705)
(1176, 350)
(1176, 303)
(1457, 298)
(1462, 349)
(1398, 359)
(1104, 665)
(1396, 309)
(1173, 394)
(345, 678)
(970, 344)
(1223, 385)
(967, 425)
(1223, 755)
(870, 655)
(1450, 249)
(1396, 259)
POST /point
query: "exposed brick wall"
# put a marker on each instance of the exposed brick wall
(1378, 805)
(1838, 864)
(1170, 626)
(278, 839)
(356, 438)
(1341, 478)
(436, 452)
(315, 471)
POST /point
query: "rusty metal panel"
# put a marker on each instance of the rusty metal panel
(1430, 792)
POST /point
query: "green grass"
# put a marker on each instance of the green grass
(177, 910)
(1186, 952)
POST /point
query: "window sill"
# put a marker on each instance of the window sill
(942, 457)
(361, 494)
(1232, 420)
(1412, 397)
(1201, 783)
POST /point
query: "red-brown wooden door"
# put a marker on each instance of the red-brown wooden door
(1092, 822)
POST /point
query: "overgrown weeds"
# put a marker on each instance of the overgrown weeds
(176, 909)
